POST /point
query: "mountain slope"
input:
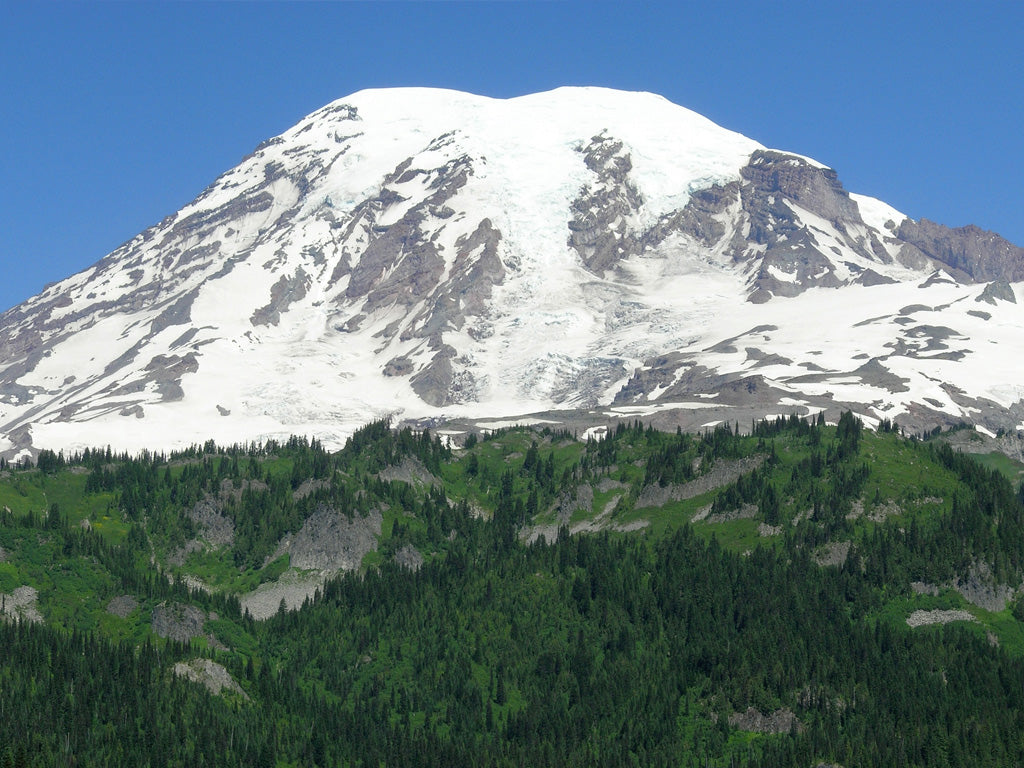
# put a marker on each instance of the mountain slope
(783, 604)
(432, 254)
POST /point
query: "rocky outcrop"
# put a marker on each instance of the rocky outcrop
(791, 259)
(812, 187)
(602, 213)
(178, 621)
(408, 470)
(291, 591)
(779, 721)
(284, 293)
(401, 263)
(765, 229)
(211, 675)
(215, 528)
(433, 382)
(21, 605)
(833, 553)
(330, 541)
(122, 606)
(979, 588)
(997, 290)
(581, 499)
(677, 377)
(177, 312)
(722, 473)
(971, 251)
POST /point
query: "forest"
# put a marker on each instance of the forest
(793, 593)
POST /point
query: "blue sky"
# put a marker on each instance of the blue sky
(115, 114)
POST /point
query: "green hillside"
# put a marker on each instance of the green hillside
(798, 595)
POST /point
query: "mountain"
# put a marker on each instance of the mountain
(576, 255)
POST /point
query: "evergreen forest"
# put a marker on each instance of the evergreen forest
(793, 593)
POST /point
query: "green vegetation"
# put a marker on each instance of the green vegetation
(1001, 463)
(720, 572)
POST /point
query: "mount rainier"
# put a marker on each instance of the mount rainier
(572, 256)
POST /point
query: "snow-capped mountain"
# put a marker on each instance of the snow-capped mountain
(431, 254)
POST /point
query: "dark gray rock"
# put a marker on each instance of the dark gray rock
(779, 721)
(581, 499)
(433, 382)
(330, 541)
(179, 312)
(869, 277)
(813, 188)
(409, 470)
(720, 474)
(599, 228)
(285, 292)
(401, 263)
(398, 366)
(983, 256)
(788, 260)
(997, 290)
(167, 371)
(979, 587)
(215, 528)
(122, 606)
(177, 621)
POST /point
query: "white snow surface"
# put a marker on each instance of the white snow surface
(247, 359)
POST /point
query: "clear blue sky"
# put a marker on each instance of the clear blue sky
(115, 114)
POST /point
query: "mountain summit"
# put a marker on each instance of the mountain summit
(431, 254)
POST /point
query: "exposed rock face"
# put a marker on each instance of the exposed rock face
(401, 262)
(582, 499)
(215, 528)
(779, 721)
(722, 473)
(744, 512)
(410, 470)
(677, 377)
(979, 588)
(21, 605)
(997, 289)
(792, 259)
(330, 541)
(605, 209)
(285, 292)
(292, 589)
(122, 606)
(786, 255)
(971, 441)
(983, 256)
(813, 188)
(924, 588)
(833, 554)
(177, 621)
(210, 674)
